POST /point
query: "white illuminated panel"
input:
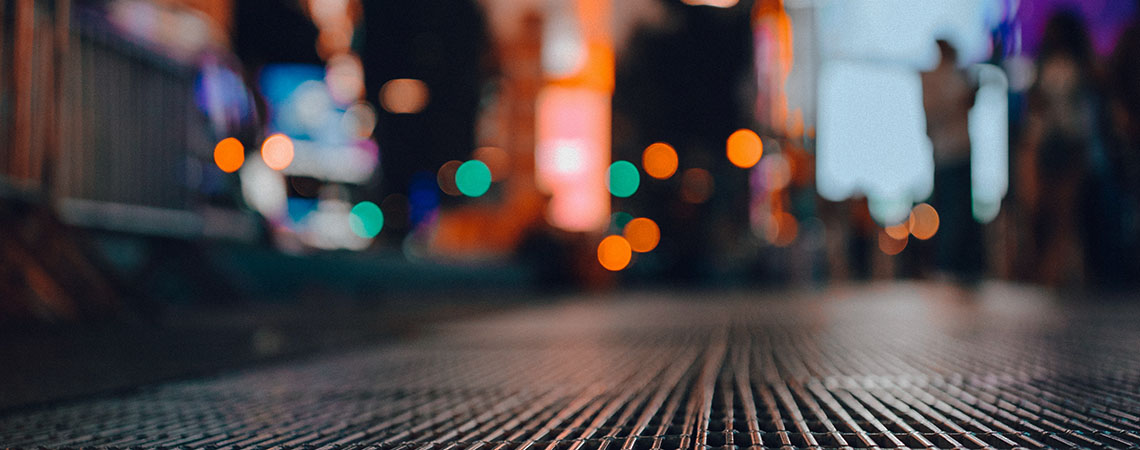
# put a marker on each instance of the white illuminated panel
(902, 32)
(989, 142)
(872, 131)
(872, 137)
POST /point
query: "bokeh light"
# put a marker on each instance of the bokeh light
(366, 220)
(622, 179)
(329, 224)
(344, 76)
(229, 155)
(446, 178)
(890, 245)
(404, 96)
(923, 221)
(782, 229)
(898, 231)
(713, 3)
(563, 49)
(618, 221)
(473, 178)
(744, 148)
(659, 160)
(333, 40)
(614, 252)
(325, 12)
(359, 120)
(496, 159)
(277, 151)
(642, 234)
(777, 171)
(307, 109)
(264, 189)
(423, 198)
(696, 185)
(889, 209)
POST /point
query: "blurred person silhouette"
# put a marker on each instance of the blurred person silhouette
(947, 96)
(1062, 161)
(1124, 79)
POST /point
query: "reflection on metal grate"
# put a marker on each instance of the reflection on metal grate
(909, 366)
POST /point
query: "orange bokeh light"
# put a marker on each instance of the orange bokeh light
(404, 96)
(496, 159)
(642, 234)
(696, 185)
(229, 155)
(446, 178)
(890, 245)
(899, 231)
(923, 221)
(277, 151)
(744, 148)
(344, 76)
(614, 253)
(659, 160)
(713, 3)
(782, 229)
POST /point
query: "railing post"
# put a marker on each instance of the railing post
(19, 156)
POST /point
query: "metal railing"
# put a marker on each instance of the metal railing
(98, 122)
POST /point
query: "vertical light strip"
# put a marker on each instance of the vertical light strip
(989, 142)
(573, 114)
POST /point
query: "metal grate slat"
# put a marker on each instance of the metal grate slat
(873, 370)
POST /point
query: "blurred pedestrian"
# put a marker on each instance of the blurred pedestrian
(1123, 263)
(947, 96)
(1062, 161)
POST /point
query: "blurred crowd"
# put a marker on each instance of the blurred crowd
(1073, 212)
(1076, 161)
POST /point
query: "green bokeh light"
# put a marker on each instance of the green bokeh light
(473, 178)
(618, 221)
(366, 220)
(623, 179)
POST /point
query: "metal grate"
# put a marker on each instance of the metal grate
(909, 366)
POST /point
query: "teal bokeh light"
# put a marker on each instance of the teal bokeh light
(618, 221)
(623, 179)
(473, 178)
(366, 220)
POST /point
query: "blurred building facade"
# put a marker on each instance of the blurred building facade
(765, 141)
